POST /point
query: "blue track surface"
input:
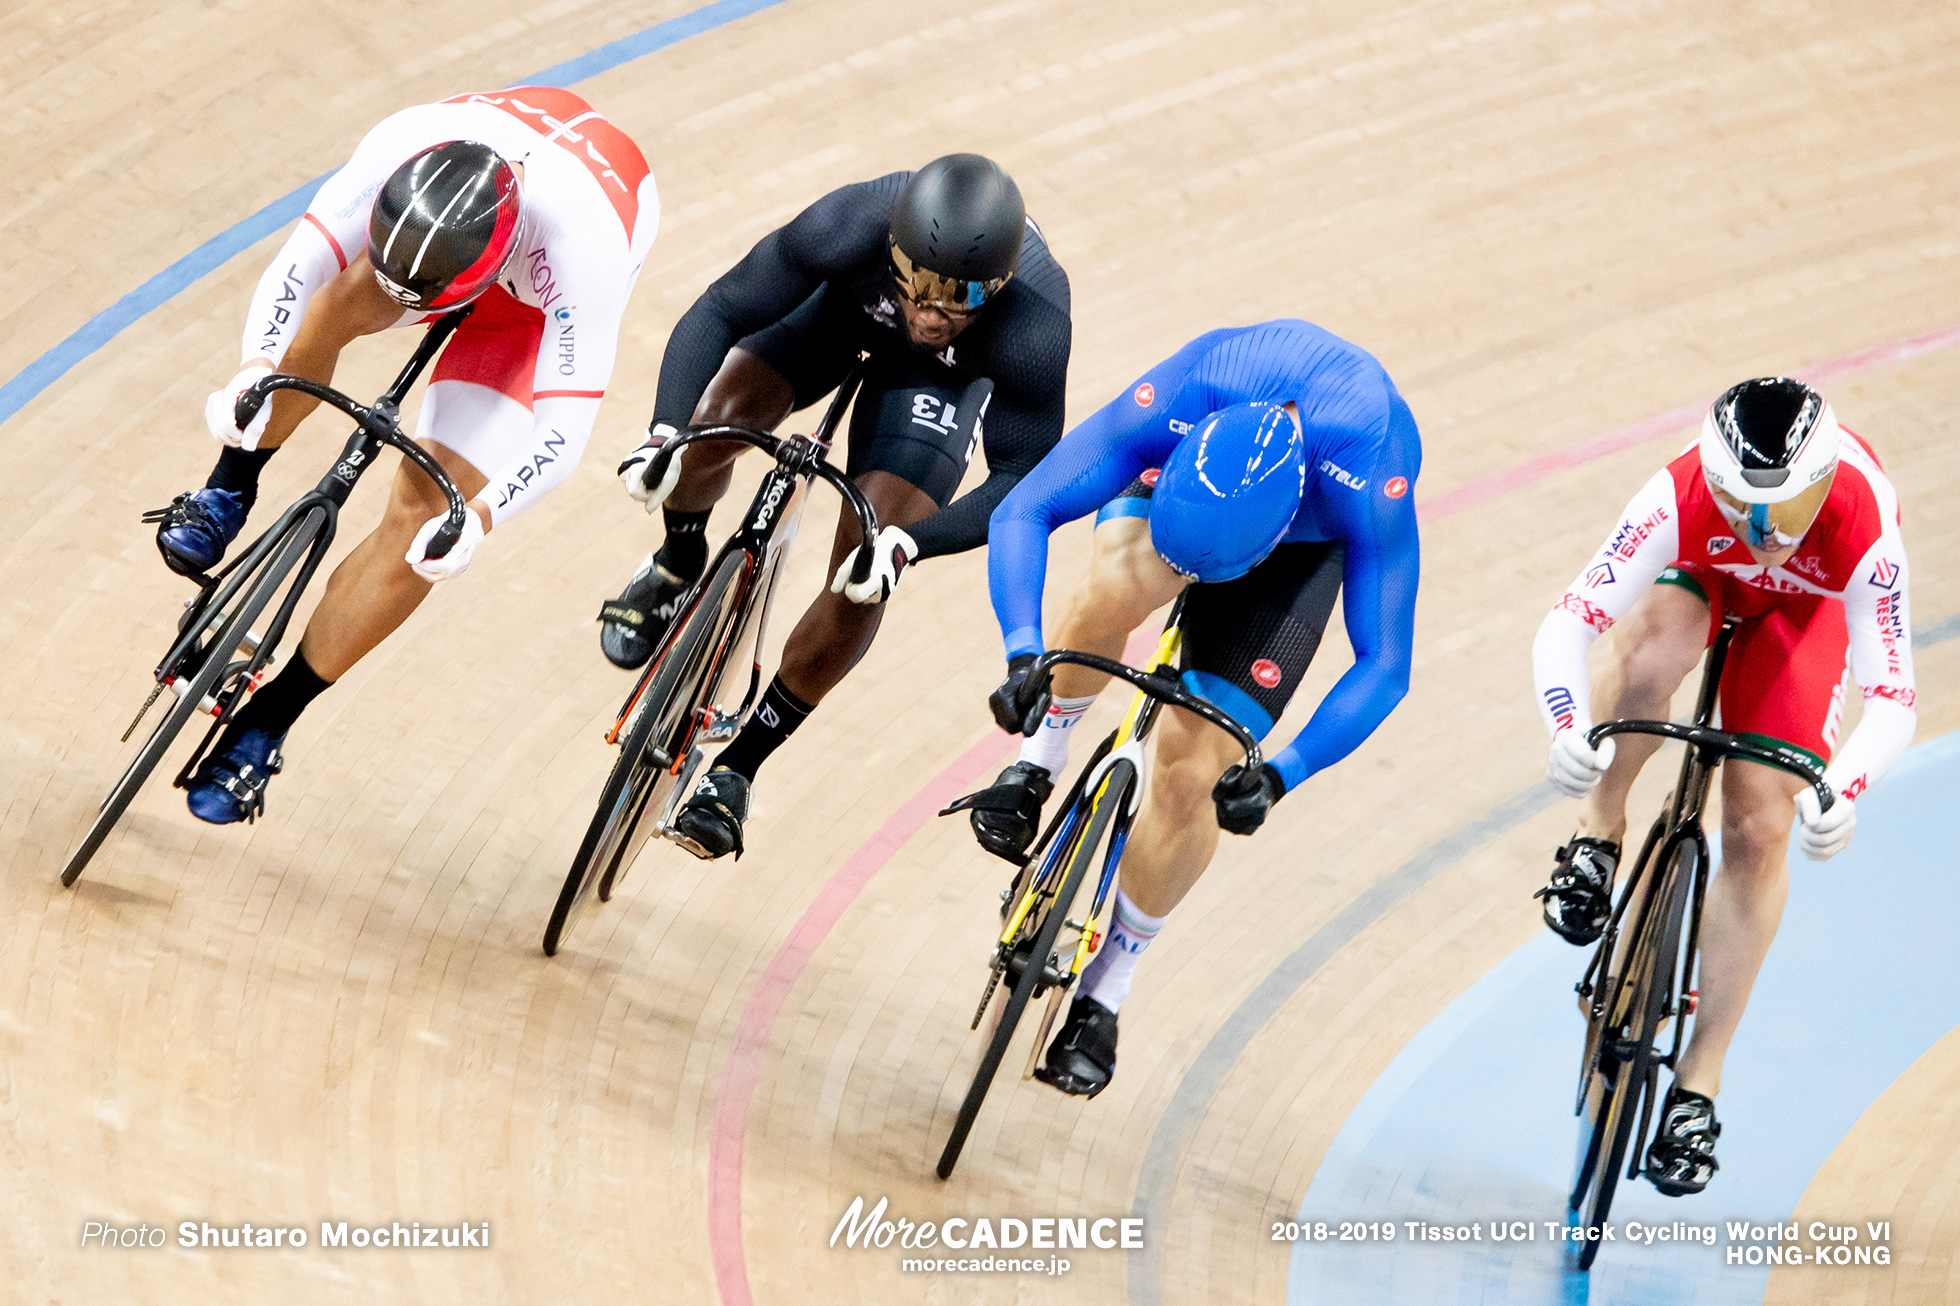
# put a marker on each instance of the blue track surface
(1472, 1121)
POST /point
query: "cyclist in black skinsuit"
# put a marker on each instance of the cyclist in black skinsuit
(941, 279)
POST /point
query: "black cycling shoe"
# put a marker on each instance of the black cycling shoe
(1007, 814)
(1580, 896)
(710, 821)
(1682, 1159)
(1082, 1059)
(631, 625)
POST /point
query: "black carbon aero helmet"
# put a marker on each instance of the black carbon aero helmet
(1769, 452)
(956, 233)
(444, 225)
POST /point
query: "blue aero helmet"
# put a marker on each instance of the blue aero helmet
(1228, 492)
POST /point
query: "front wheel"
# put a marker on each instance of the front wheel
(651, 743)
(1624, 1080)
(216, 661)
(1115, 794)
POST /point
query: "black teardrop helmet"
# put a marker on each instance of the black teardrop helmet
(444, 225)
(956, 233)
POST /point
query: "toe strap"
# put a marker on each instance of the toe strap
(245, 782)
(623, 614)
(994, 798)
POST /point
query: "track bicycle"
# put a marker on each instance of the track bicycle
(219, 655)
(1094, 817)
(1642, 974)
(674, 709)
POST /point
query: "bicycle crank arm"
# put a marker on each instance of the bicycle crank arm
(683, 786)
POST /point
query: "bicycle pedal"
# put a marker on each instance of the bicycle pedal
(687, 844)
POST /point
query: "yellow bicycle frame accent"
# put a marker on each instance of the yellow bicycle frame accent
(1169, 645)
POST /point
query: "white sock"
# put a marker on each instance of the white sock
(1110, 971)
(1048, 748)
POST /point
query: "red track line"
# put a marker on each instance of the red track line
(759, 1016)
(758, 1023)
(1486, 488)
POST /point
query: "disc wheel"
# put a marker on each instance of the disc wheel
(216, 657)
(644, 770)
(1081, 858)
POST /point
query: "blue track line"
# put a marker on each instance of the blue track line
(28, 384)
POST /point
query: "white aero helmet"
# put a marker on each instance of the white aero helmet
(1769, 450)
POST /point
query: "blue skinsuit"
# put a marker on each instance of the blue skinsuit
(1362, 455)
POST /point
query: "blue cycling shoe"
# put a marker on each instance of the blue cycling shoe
(194, 530)
(229, 785)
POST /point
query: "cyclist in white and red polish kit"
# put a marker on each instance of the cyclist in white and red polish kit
(526, 204)
(1778, 516)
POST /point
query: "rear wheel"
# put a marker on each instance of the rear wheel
(216, 661)
(1081, 859)
(650, 744)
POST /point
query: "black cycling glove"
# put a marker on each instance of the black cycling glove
(1243, 800)
(1018, 706)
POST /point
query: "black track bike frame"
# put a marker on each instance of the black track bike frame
(777, 504)
(379, 425)
(1680, 823)
(215, 621)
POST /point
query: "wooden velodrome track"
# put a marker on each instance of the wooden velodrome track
(1549, 222)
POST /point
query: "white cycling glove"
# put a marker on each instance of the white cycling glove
(457, 560)
(1576, 766)
(218, 410)
(894, 549)
(633, 472)
(1823, 835)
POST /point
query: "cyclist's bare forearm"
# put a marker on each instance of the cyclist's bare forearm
(745, 392)
(348, 307)
(1127, 582)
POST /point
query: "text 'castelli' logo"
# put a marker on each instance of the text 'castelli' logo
(1395, 487)
(1266, 672)
(1146, 395)
(1150, 475)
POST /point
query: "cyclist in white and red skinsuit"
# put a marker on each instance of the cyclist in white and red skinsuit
(510, 403)
(1810, 600)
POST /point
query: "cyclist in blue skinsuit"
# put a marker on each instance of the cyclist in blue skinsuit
(1269, 468)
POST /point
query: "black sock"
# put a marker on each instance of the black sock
(775, 719)
(685, 553)
(238, 471)
(274, 707)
